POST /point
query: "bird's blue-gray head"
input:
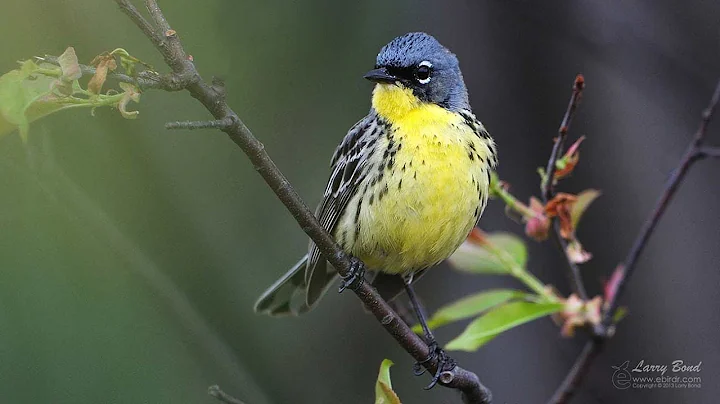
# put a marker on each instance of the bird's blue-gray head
(419, 62)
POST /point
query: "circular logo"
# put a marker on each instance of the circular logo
(621, 379)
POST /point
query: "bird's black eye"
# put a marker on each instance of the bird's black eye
(422, 72)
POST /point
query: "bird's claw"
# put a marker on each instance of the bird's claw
(445, 363)
(355, 276)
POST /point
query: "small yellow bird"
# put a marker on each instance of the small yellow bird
(408, 183)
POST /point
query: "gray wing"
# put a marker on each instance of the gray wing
(349, 168)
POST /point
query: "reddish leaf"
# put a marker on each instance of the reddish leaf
(537, 226)
(576, 253)
(103, 64)
(566, 164)
(561, 206)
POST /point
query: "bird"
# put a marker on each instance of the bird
(408, 182)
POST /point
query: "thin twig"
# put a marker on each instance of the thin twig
(190, 125)
(548, 183)
(708, 152)
(547, 186)
(577, 373)
(144, 80)
(694, 152)
(212, 97)
(223, 396)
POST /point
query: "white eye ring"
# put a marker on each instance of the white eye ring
(428, 66)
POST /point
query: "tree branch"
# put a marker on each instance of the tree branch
(185, 75)
(694, 152)
(547, 186)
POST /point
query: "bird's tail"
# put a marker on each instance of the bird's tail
(289, 294)
(295, 293)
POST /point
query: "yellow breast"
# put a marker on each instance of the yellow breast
(432, 189)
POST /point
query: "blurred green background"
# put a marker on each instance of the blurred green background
(130, 256)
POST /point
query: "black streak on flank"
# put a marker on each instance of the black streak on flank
(357, 211)
(468, 120)
(382, 193)
(357, 217)
(471, 157)
(343, 238)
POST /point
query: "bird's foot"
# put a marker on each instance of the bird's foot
(445, 363)
(355, 277)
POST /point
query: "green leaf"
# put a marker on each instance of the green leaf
(34, 91)
(384, 393)
(498, 255)
(620, 314)
(26, 94)
(471, 306)
(129, 63)
(584, 199)
(69, 65)
(498, 320)
(18, 89)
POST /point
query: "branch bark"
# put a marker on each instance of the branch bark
(185, 76)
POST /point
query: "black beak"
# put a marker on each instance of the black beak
(380, 75)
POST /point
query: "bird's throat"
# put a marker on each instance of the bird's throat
(393, 102)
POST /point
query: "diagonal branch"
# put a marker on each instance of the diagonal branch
(691, 155)
(694, 152)
(547, 186)
(212, 98)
